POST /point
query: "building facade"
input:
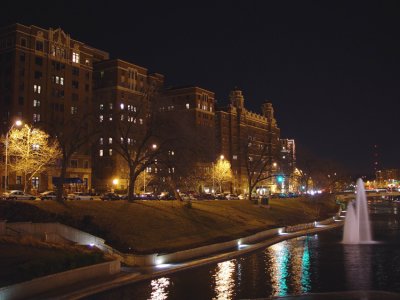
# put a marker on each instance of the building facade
(123, 99)
(45, 78)
(242, 134)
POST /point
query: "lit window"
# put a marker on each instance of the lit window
(234, 157)
(110, 152)
(122, 140)
(101, 141)
(101, 106)
(110, 140)
(122, 117)
(129, 141)
(36, 118)
(62, 80)
(134, 108)
(110, 105)
(75, 57)
(57, 79)
(36, 88)
(122, 106)
(36, 103)
(101, 118)
(110, 118)
(101, 152)
(35, 147)
(141, 121)
(74, 110)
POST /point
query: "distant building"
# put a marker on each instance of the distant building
(288, 163)
(236, 127)
(388, 178)
(45, 77)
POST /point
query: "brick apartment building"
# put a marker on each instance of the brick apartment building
(46, 77)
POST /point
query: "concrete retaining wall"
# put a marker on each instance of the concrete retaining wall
(40, 285)
(55, 232)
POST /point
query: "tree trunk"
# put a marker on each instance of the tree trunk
(131, 188)
(60, 182)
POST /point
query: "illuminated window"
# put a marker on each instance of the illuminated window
(187, 105)
(37, 88)
(101, 118)
(110, 152)
(110, 105)
(62, 80)
(35, 147)
(110, 140)
(101, 153)
(74, 110)
(141, 121)
(122, 140)
(101, 106)
(36, 118)
(36, 103)
(101, 141)
(122, 117)
(110, 118)
(234, 157)
(122, 106)
(75, 57)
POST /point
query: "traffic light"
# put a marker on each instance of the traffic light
(279, 178)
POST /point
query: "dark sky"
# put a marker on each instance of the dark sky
(330, 68)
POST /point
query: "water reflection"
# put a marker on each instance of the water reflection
(289, 267)
(358, 268)
(279, 269)
(159, 288)
(224, 280)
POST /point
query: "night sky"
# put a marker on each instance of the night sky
(330, 69)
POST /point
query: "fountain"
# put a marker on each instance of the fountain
(357, 229)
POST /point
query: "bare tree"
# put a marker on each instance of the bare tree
(32, 151)
(73, 135)
(258, 161)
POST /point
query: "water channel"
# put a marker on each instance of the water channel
(317, 263)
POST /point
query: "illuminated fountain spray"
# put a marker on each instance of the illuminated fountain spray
(357, 229)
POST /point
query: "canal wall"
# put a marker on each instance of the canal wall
(41, 285)
(60, 233)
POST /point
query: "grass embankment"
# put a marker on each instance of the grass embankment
(166, 226)
(24, 259)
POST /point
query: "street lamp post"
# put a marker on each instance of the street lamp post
(16, 123)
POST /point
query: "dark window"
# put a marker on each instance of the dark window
(75, 84)
(75, 71)
(86, 164)
(86, 87)
(21, 100)
(21, 86)
(38, 74)
(38, 61)
(75, 97)
(22, 57)
(22, 72)
(23, 42)
(39, 46)
(74, 163)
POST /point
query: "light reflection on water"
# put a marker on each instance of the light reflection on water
(224, 280)
(288, 264)
(159, 288)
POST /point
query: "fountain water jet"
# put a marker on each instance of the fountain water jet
(357, 229)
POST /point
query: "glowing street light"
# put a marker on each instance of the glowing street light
(16, 123)
(115, 181)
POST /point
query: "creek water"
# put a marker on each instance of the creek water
(315, 263)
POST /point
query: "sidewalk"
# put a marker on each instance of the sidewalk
(131, 275)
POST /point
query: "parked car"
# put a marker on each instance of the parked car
(48, 195)
(79, 196)
(18, 195)
(110, 196)
(232, 197)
